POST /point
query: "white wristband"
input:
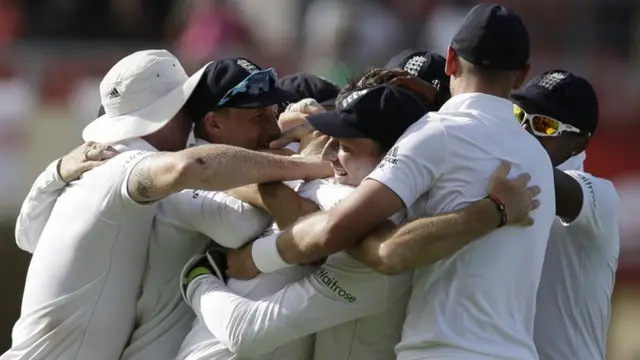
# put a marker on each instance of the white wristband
(266, 255)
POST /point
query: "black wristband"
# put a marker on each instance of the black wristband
(502, 210)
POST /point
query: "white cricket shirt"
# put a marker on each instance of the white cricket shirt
(480, 302)
(84, 277)
(574, 298)
(183, 224)
(368, 307)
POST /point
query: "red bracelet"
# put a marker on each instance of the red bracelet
(501, 209)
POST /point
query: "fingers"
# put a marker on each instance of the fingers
(292, 135)
(535, 203)
(503, 169)
(522, 179)
(289, 120)
(534, 191)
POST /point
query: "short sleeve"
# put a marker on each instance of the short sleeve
(600, 205)
(415, 162)
(131, 159)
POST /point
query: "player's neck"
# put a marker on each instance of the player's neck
(466, 87)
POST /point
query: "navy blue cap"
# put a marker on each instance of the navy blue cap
(494, 37)
(222, 76)
(381, 113)
(563, 96)
(305, 85)
(426, 65)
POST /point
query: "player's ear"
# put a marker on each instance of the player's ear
(451, 66)
(212, 122)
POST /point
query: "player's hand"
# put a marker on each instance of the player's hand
(240, 263)
(296, 113)
(82, 159)
(313, 144)
(297, 131)
(519, 200)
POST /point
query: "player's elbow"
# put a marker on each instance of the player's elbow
(391, 259)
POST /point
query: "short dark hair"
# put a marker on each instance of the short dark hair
(368, 79)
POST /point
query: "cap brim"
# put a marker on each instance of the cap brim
(272, 97)
(333, 123)
(109, 129)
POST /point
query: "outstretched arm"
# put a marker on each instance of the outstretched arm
(216, 168)
(427, 240)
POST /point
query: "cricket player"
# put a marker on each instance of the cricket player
(574, 299)
(81, 303)
(369, 305)
(480, 302)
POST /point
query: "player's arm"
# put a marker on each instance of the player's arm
(408, 171)
(230, 222)
(569, 196)
(585, 200)
(424, 241)
(215, 168)
(250, 328)
(278, 199)
(40, 200)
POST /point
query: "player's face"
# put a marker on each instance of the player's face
(560, 148)
(352, 159)
(247, 128)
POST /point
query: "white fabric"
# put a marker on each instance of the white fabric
(141, 93)
(574, 298)
(480, 302)
(574, 163)
(183, 224)
(85, 274)
(37, 207)
(370, 306)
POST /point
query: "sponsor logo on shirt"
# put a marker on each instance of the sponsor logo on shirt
(332, 284)
(587, 182)
(391, 159)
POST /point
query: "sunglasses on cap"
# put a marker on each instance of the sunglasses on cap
(256, 83)
(543, 125)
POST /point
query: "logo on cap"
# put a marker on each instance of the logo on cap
(353, 96)
(414, 64)
(114, 93)
(552, 80)
(247, 65)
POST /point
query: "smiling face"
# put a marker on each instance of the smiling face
(352, 159)
(247, 128)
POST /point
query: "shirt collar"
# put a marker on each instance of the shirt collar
(134, 144)
(483, 103)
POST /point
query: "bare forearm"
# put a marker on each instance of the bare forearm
(428, 240)
(215, 168)
(222, 167)
(284, 204)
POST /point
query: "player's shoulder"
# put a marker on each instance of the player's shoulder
(598, 190)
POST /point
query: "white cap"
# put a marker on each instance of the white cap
(140, 95)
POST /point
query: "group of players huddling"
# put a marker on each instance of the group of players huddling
(436, 208)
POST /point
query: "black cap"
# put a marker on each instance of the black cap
(223, 75)
(426, 65)
(494, 37)
(381, 113)
(305, 85)
(563, 96)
